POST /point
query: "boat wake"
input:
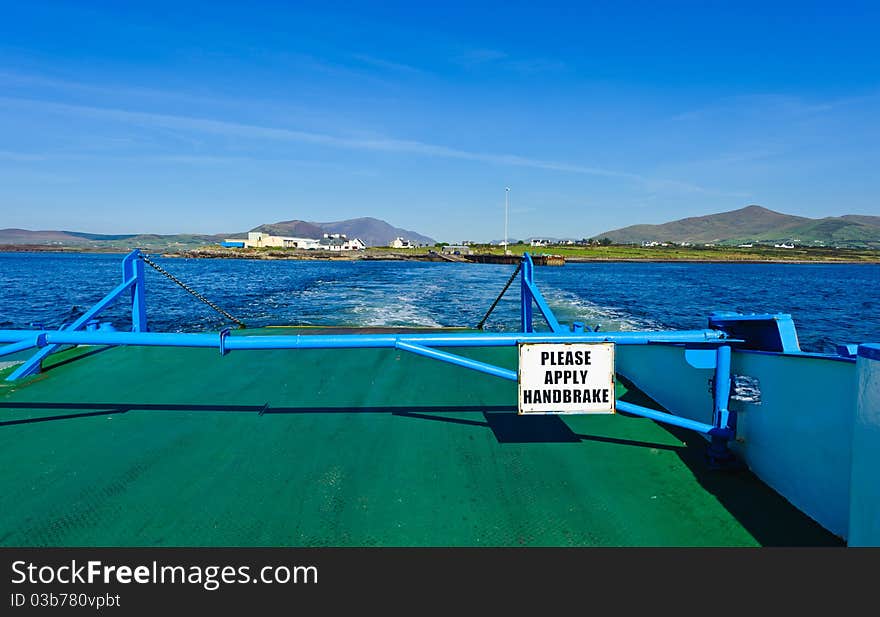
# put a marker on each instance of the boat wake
(569, 307)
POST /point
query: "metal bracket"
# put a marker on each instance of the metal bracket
(223, 334)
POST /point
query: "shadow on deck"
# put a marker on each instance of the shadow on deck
(766, 515)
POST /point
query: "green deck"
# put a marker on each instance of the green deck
(172, 447)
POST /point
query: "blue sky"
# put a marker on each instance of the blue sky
(216, 117)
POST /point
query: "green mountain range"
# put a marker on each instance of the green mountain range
(755, 224)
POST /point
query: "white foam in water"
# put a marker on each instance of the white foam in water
(399, 311)
(371, 304)
(419, 297)
(569, 307)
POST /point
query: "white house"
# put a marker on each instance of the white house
(340, 242)
(539, 242)
(401, 243)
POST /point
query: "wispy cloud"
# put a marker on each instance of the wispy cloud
(196, 160)
(496, 58)
(773, 104)
(40, 86)
(385, 64)
(481, 56)
(42, 82)
(375, 144)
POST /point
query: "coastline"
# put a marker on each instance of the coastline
(374, 254)
(659, 260)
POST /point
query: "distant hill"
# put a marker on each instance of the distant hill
(757, 224)
(295, 228)
(373, 232)
(26, 236)
(105, 241)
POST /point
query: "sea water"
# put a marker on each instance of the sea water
(830, 303)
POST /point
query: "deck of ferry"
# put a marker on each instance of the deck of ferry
(149, 446)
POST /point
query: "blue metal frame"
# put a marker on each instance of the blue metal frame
(132, 278)
(767, 331)
(720, 431)
(530, 294)
(35, 338)
(724, 420)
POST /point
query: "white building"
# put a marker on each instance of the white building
(331, 242)
(340, 242)
(401, 243)
(259, 239)
(539, 242)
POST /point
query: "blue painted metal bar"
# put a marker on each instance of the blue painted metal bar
(133, 269)
(722, 387)
(525, 294)
(349, 341)
(137, 339)
(445, 356)
(353, 341)
(666, 418)
(32, 365)
(723, 419)
(22, 345)
(544, 308)
(531, 294)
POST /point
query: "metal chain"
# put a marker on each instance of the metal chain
(498, 299)
(189, 289)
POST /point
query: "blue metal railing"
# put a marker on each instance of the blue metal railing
(721, 430)
(132, 278)
(531, 296)
(354, 341)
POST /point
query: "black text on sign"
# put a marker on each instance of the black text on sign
(566, 378)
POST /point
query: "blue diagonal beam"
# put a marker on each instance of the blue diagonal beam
(662, 416)
(32, 365)
(20, 345)
(545, 309)
(451, 358)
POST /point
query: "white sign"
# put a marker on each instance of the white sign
(566, 378)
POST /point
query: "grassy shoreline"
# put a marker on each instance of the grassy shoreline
(592, 254)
